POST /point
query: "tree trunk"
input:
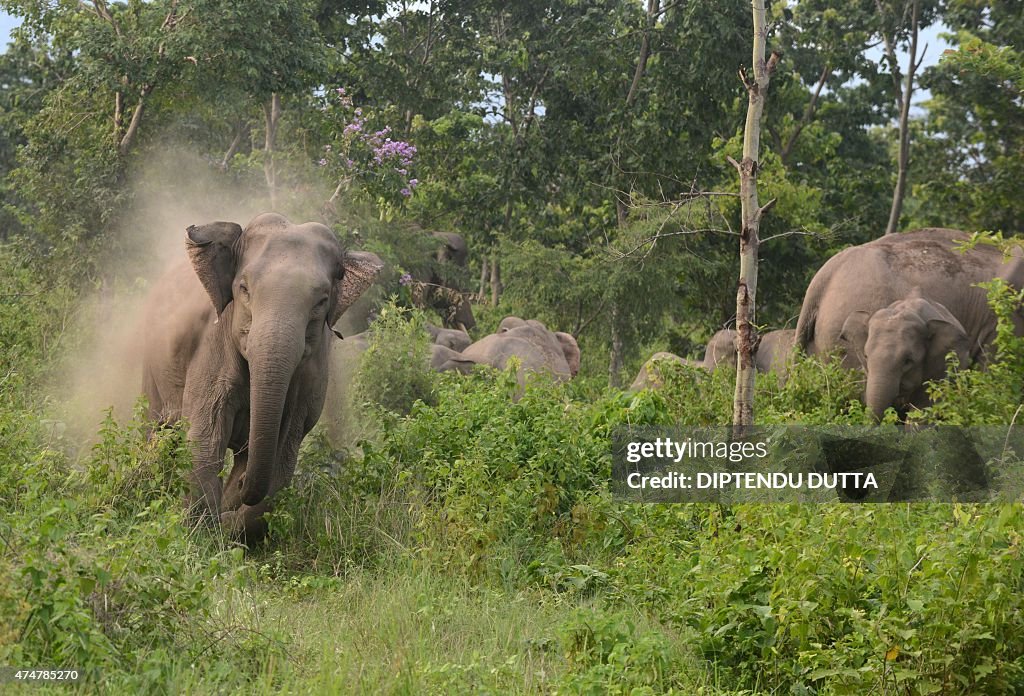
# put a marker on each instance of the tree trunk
(746, 294)
(904, 96)
(483, 280)
(272, 114)
(496, 286)
(615, 359)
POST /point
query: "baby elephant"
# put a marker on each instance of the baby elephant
(901, 347)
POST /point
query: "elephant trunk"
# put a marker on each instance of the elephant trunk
(881, 392)
(274, 353)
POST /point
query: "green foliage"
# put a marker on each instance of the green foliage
(395, 371)
(101, 571)
(972, 174)
(985, 396)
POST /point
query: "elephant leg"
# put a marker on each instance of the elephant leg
(233, 487)
(205, 486)
(247, 524)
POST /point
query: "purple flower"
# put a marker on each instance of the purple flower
(340, 90)
(397, 149)
(322, 162)
(406, 192)
(327, 148)
(403, 172)
(406, 279)
(413, 183)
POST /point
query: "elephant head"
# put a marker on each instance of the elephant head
(901, 347)
(453, 248)
(721, 350)
(277, 288)
(455, 339)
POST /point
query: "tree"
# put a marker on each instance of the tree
(972, 163)
(746, 294)
(901, 22)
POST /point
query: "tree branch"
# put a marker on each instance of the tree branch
(133, 126)
(645, 52)
(808, 114)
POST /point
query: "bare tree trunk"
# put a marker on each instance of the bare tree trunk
(233, 147)
(272, 114)
(483, 280)
(118, 116)
(904, 96)
(615, 359)
(746, 294)
(133, 126)
(496, 286)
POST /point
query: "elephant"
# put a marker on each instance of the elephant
(925, 263)
(456, 339)
(647, 377)
(902, 346)
(774, 350)
(238, 346)
(537, 348)
(721, 350)
(439, 289)
(539, 334)
(454, 249)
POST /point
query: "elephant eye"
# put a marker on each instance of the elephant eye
(244, 289)
(321, 304)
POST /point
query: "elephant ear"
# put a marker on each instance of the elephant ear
(211, 248)
(854, 334)
(945, 334)
(571, 350)
(360, 270)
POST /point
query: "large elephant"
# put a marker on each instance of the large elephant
(237, 345)
(925, 263)
(901, 347)
(537, 348)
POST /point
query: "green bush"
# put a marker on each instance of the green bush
(101, 573)
(395, 370)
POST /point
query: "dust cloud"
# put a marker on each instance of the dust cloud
(103, 367)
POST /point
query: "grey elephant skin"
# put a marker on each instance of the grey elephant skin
(922, 263)
(901, 347)
(455, 339)
(721, 350)
(238, 346)
(537, 348)
(774, 350)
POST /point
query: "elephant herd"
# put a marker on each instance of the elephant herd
(536, 348)
(239, 339)
(893, 308)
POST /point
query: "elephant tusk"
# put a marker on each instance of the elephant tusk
(462, 327)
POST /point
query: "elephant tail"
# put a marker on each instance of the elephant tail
(805, 328)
